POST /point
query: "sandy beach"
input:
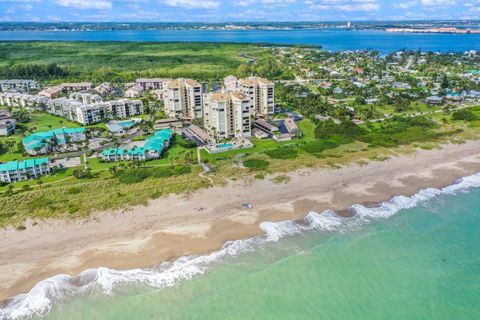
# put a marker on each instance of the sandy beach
(201, 222)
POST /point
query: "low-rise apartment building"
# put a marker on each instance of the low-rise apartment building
(44, 142)
(7, 123)
(227, 115)
(76, 86)
(88, 114)
(18, 85)
(152, 149)
(52, 92)
(133, 92)
(152, 83)
(104, 89)
(23, 100)
(85, 98)
(183, 99)
(14, 171)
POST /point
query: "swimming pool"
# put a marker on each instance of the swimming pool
(224, 146)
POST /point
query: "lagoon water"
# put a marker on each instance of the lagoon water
(419, 262)
(329, 39)
(411, 258)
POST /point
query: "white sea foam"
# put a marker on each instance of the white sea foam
(41, 298)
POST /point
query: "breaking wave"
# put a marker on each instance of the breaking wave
(104, 281)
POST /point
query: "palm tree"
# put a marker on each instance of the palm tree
(112, 170)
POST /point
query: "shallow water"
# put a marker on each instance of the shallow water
(329, 39)
(419, 262)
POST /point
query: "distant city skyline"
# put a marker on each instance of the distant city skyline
(234, 10)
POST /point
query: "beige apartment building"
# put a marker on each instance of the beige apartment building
(262, 94)
(227, 115)
(183, 99)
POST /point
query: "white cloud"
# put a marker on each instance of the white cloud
(437, 3)
(345, 5)
(194, 4)
(86, 4)
(405, 5)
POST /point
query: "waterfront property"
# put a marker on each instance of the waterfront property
(14, 171)
(152, 149)
(53, 140)
(227, 115)
(183, 99)
(261, 93)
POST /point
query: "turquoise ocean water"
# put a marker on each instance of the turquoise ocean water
(410, 258)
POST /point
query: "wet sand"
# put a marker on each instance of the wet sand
(202, 222)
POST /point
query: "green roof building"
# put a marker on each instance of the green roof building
(152, 149)
(43, 142)
(14, 171)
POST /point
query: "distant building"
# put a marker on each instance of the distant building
(227, 115)
(133, 92)
(52, 92)
(104, 89)
(261, 93)
(231, 83)
(76, 86)
(7, 123)
(15, 171)
(434, 100)
(182, 99)
(18, 85)
(152, 83)
(23, 100)
(85, 98)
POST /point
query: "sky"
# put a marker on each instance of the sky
(235, 10)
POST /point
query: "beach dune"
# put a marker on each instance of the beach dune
(203, 221)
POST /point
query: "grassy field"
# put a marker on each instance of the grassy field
(125, 61)
(38, 122)
(63, 196)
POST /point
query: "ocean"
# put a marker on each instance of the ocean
(329, 39)
(409, 258)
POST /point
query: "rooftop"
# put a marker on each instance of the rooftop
(18, 165)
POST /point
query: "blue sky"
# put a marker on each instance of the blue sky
(235, 10)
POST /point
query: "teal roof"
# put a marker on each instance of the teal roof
(153, 143)
(16, 165)
(40, 139)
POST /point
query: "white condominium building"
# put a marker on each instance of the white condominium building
(23, 100)
(87, 114)
(152, 83)
(19, 85)
(77, 86)
(227, 115)
(183, 99)
(231, 83)
(86, 98)
(262, 94)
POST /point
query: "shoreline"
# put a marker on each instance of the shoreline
(202, 222)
